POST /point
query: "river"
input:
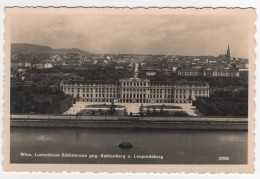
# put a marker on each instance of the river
(100, 146)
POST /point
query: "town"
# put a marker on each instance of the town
(72, 81)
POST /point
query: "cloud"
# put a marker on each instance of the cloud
(139, 34)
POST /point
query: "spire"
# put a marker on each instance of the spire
(228, 52)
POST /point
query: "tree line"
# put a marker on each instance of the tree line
(224, 103)
(39, 100)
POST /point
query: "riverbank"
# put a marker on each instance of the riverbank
(133, 124)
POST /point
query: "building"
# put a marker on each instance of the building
(225, 56)
(150, 73)
(210, 72)
(225, 72)
(27, 64)
(228, 52)
(47, 65)
(189, 71)
(136, 90)
(91, 91)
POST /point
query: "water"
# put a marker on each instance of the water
(175, 146)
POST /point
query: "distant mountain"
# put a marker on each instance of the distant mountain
(41, 49)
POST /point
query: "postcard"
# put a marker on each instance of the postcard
(129, 90)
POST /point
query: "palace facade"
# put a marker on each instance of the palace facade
(135, 90)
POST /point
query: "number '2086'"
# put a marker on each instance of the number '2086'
(223, 158)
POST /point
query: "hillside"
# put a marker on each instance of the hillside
(41, 49)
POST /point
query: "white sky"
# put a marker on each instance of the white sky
(136, 34)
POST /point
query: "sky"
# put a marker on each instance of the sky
(136, 34)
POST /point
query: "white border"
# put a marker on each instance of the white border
(134, 3)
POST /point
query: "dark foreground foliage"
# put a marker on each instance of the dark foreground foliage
(39, 100)
(224, 103)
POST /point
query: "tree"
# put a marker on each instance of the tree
(154, 111)
(141, 110)
(112, 108)
(148, 112)
(190, 99)
(161, 110)
(125, 112)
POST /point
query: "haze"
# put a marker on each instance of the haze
(136, 34)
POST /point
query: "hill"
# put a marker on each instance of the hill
(41, 49)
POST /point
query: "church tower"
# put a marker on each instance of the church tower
(228, 52)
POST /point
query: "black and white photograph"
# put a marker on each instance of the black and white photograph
(130, 88)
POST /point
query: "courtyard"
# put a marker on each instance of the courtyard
(131, 107)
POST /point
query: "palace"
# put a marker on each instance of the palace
(136, 90)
